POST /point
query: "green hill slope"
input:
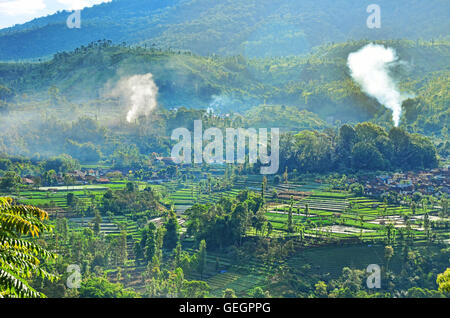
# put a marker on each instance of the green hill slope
(253, 28)
(318, 83)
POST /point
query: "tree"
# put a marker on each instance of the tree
(195, 289)
(239, 219)
(321, 289)
(68, 180)
(269, 228)
(201, 257)
(258, 292)
(131, 187)
(366, 156)
(357, 189)
(444, 204)
(10, 181)
(417, 292)
(290, 225)
(100, 287)
(119, 248)
(390, 228)
(443, 280)
(178, 252)
(229, 293)
(285, 175)
(50, 177)
(367, 132)
(148, 242)
(346, 139)
(171, 236)
(97, 220)
(276, 180)
(70, 199)
(19, 258)
(427, 225)
(388, 253)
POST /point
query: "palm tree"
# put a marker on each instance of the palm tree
(20, 258)
(389, 233)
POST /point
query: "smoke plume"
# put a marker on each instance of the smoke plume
(369, 67)
(139, 93)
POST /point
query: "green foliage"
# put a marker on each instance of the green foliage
(100, 287)
(294, 92)
(417, 292)
(9, 181)
(253, 27)
(171, 235)
(20, 258)
(443, 281)
(229, 293)
(286, 118)
(125, 201)
(226, 222)
(258, 292)
(365, 147)
(195, 289)
(62, 163)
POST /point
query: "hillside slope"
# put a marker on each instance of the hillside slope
(253, 28)
(318, 83)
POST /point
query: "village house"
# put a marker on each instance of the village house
(103, 180)
(78, 175)
(27, 181)
(166, 160)
(426, 182)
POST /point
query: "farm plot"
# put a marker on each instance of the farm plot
(396, 221)
(342, 229)
(184, 198)
(56, 197)
(340, 215)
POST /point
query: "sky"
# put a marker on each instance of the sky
(20, 11)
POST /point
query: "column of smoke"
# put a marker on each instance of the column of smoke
(369, 67)
(139, 93)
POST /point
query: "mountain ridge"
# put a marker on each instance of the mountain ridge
(253, 28)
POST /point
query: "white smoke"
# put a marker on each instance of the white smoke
(139, 93)
(370, 69)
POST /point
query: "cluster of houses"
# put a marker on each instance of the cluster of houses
(92, 175)
(87, 176)
(430, 182)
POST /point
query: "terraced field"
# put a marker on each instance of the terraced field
(339, 214)
(240, 278)
(186, 196)
(57, 196)
(333, 216)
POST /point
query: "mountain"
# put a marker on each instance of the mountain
(318, 83)
(252, 28)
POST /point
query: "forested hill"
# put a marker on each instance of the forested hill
(318, 82)
(253, 28)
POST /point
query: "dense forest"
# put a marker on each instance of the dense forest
(295, 93)
(256, 28)
(364, 147)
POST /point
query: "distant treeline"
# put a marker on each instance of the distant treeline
(364, 147)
